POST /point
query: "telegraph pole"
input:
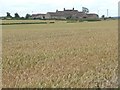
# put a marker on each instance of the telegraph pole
(107, 12)
(98, 12)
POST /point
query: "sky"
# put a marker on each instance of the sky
(22, 7)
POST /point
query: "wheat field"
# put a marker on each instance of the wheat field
(60, 55)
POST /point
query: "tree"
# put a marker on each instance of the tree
(69, 17)
(22, 18)
(8, 15)
(85, 10)
(17, 16)
(43, 17)
(103, 16)
(27, 16)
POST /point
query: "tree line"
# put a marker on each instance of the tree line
(17, 16)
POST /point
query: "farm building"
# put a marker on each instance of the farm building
(65, 14)
(37, 16)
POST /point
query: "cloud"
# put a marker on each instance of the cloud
(37, 6)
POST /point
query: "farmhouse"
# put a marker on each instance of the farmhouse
(65, 14)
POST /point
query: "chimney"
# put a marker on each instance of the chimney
(64, 9)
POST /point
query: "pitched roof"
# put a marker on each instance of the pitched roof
(92, 14)
(37, 14)
(51, 13)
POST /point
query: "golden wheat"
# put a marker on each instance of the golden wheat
(60, 55)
